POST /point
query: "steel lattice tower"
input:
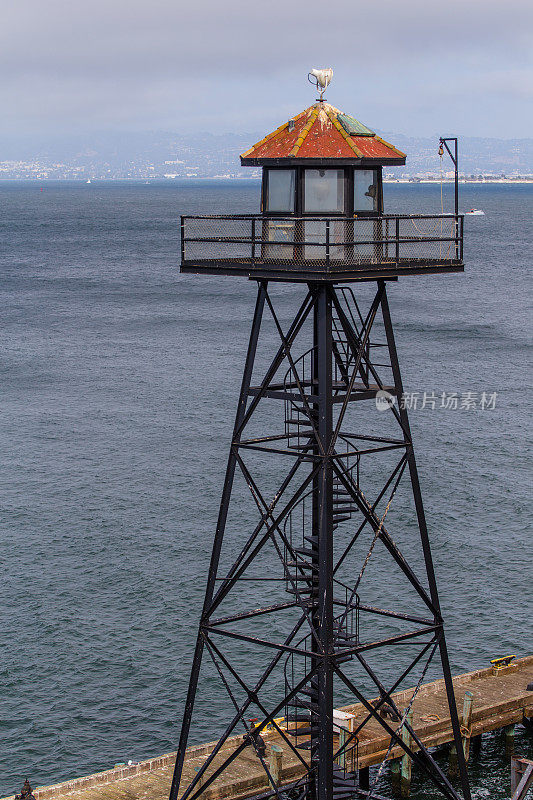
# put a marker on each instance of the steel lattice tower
(327, 518)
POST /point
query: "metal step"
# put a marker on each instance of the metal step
(301, 576)
(313, 694)
(308, 575)
(306, 580)
(305, 552)
(298, 703)
(300, 582)
(342, 774)
(343, 659)
(304, 731)
(342, 777)
(304, 745)
(346, 636)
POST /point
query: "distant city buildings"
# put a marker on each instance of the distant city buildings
(167, 156)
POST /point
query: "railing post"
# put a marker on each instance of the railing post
(327, 244)
(182, 231)
(461, 245)
(378, 239)
(398, 241)
(342, 744)
(253, 240)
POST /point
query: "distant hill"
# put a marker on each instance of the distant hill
(160, 153)
(476, 154)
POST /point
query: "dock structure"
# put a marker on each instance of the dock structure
(495, 699)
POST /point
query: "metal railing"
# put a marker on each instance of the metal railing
(255, 240)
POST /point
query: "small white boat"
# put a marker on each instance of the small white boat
(475, 212)
(88, 180)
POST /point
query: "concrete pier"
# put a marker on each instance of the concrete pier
(499, 700)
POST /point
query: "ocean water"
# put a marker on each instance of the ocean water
(119, 384)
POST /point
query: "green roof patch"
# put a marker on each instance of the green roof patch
(353, 127)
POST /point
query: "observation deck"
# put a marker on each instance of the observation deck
(334, 248)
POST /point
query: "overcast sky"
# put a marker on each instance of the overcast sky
(410, 66)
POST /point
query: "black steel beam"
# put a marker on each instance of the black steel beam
(217, 545)
(321, 473)
(323, 525)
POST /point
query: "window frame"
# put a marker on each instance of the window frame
(378, 211)
(264, 192)
(299, 188)
(344, 212)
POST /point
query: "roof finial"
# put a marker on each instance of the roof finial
(322, 79)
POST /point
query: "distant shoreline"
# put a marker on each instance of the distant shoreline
(228, 179)
(462, 181)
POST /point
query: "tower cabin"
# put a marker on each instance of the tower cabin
(322, 212)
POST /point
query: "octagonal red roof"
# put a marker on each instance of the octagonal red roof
(322, 132)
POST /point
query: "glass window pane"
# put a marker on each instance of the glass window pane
(324, 190)
(365, 188)
(280, 190)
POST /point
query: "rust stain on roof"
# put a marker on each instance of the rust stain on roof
(305, 130)
(321, 132)
(343, 132)
(278, 143)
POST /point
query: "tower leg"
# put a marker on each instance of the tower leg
(219, 535)
(428, 560)
(323, 525)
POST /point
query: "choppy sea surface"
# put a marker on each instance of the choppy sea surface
(119, 382)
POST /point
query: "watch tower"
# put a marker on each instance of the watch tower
(292, 622)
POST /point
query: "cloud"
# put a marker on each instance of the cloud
(242, 66)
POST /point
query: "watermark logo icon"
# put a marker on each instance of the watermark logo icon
(451, 401)
(384, 400)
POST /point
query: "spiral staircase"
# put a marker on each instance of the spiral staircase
(301, 570)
